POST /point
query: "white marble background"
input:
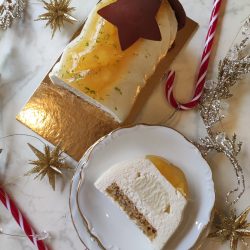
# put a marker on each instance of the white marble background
(27, 53)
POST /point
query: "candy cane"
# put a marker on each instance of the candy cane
(203, 66)
(21, 220)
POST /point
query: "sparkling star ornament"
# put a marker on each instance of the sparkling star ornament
(50, 163)
(134, 19)
(58, 12)
(232, 228)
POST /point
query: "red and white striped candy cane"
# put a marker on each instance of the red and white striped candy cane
(21, 220)
(203, 66)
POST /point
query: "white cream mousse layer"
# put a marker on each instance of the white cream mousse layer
(152, 192)
(94, 67)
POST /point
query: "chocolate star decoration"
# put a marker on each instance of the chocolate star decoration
(134, 19)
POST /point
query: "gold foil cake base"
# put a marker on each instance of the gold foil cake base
(62, 118)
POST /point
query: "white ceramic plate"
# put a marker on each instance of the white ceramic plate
(106, 221)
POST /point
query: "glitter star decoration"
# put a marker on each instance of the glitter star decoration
(134, 19)
(57, 13)
(232, 228)
(50, 163)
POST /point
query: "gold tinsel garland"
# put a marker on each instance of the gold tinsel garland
(231, 69)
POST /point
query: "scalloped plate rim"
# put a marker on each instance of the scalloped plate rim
(84, 162)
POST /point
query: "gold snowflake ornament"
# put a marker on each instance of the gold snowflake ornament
(232, 228)
(50, 163)
(57, 13)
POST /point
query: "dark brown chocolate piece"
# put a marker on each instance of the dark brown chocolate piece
(179, 13)
(137, 19)
(134, 19)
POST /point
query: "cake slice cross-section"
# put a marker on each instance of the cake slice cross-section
(152, 192)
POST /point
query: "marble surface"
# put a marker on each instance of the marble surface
(27, 53)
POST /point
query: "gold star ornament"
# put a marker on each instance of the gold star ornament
(232, 228)
(57, 13)
(50, 163)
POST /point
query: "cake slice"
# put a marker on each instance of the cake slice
(95, 68)
(152, 192)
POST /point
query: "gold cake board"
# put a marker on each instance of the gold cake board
(62, 118)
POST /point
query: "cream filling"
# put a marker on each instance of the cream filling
(153, 196)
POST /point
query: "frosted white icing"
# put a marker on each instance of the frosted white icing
(134, 75)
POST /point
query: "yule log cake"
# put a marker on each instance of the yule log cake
(116, 52)
(152, 192)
